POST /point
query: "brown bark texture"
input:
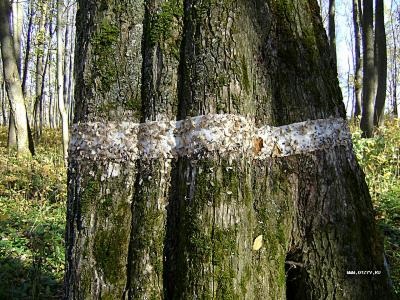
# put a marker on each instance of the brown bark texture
(184, 228)
(369, 70)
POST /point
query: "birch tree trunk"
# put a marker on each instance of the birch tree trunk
(12, 80)
(207, 225)
(60, 82)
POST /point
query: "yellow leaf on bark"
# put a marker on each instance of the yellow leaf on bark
(258, 242)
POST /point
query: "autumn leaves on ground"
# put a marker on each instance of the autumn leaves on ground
(32, 211)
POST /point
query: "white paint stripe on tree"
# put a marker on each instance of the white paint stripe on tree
(228, 135)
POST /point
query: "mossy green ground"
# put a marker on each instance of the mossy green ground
(33, 197)
(32, 221)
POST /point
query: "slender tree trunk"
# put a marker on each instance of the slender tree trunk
(60, 83)
(12, 80)
(17, 20)
(17, 24)
(71, 84)
(41, 99)
(3, 98)
(358, 82)
(40, 59)
(332, 33)
(70, 95)
(28, 47)
(51, 102)
(394, 62)
(381, 63)
(12, 134)
(204, 225)
(369, 76)
(66, 63)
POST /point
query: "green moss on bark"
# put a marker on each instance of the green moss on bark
(104, 43)
(164, 23)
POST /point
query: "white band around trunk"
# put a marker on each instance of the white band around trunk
(198, 137)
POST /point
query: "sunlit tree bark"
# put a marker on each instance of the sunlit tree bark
(60, 82)
(12, 80)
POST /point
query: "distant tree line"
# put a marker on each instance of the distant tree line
(37, 45)
(374, 78)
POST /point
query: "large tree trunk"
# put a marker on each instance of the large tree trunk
(108, 79)
(381, 63)
(209, 225)
(12, 80)
(357, 54)
(369, 70)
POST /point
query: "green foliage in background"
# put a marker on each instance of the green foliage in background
(380, 159)
(32, 221)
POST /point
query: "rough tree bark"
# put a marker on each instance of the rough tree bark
(108, 67)
(380, 62)
(358, 60)
(184, 228)
(12, 80)
(369, 71)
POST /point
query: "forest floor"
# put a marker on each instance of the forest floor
(33, 198)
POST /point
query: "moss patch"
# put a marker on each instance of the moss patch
(104, 47)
